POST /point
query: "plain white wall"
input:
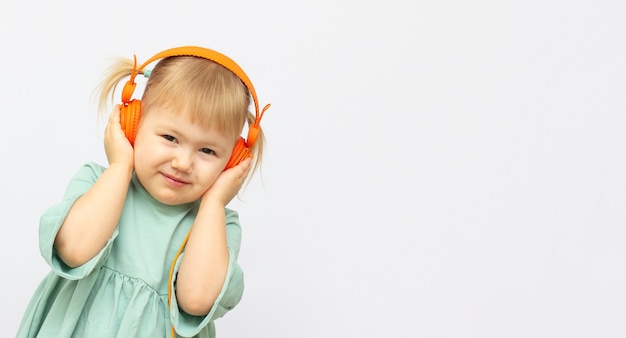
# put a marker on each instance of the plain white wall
(434, 168)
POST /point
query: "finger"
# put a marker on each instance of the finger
(248, 166)
(115, 114)
(244, 168)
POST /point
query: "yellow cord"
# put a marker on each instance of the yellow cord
(169, 283)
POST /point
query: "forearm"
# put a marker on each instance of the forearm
(93, 218)
(205, 263)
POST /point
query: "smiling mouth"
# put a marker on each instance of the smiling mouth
(173, 181)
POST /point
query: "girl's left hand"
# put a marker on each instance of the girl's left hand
(228, 183)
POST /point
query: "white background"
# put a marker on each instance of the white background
(434, 168)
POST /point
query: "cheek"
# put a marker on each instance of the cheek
(140, 150)
(209, 175)
(146, 152)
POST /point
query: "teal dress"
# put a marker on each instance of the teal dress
(122, 291)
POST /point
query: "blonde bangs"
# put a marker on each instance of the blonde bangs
(213, 96)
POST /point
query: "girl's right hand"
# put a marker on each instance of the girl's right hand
(116, 146)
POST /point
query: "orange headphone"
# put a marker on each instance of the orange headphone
(130, 110)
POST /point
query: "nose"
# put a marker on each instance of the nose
(182, 161)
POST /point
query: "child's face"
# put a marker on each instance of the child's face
(175, 160)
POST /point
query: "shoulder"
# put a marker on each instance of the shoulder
(95, 167)
(231, 215)
(84, 178)
(230, 212)
(90, 169)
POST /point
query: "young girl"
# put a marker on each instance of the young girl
(146, 246)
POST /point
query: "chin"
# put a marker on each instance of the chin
(170, 199)
(174, 201)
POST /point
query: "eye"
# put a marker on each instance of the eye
(207, 151)
(169, 138)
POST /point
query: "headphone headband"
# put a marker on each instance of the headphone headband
(208, 54)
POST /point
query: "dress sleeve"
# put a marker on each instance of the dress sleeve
(187, 325)
(52, 219)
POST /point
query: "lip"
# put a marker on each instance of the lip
(173, 181)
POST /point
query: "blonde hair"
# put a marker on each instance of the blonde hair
(213, 96)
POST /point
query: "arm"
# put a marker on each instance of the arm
(205, 263)
(93, 218)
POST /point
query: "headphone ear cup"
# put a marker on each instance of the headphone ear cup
(240, 153)
(129, 119)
